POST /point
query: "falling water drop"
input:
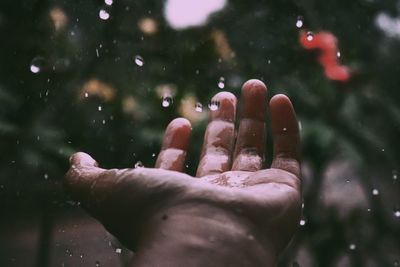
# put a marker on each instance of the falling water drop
(37, 64)
(213, 105)
(299, 22)
(103, 14)
(396, 213)
(375, 192)
(198, 107)
(139, 61)
(352, 246)
(310, 36)
(108, 2)
(99, 108)
(302, 222)
(221, 83)
(166, 101)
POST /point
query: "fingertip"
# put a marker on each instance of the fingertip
(177, 134)
(254, 84)
(225, 108)
(254, 100)
(82, 159)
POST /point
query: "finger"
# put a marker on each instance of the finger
(285, 133)
(83, 170)
(219, 137)
(174, 147)
(250, 144)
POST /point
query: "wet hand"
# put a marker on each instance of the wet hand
(230, 176)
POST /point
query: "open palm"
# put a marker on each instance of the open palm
(230, 179)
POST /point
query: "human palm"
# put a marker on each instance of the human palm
(230, 177)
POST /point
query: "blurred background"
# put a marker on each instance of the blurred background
(106, 77)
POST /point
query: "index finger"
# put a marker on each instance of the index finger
(285, 134)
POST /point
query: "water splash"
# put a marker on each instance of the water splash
(138, 164)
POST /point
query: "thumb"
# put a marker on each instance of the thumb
(82, 173)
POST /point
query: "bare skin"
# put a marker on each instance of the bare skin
(235, 212)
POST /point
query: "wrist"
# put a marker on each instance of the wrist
(202, 235)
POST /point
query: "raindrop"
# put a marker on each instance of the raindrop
(338, 54)
(139, 61)
(99, 108)
(299, 22)
(284, 129)
(166, 101)
(103, 14)
(108, 2)
(139, 164)
(198, 107)
(375, 192)
(221, 83)
(153, 155)
(310, 36)
(394, 175)
(46, 176)
(269, 61)
(37, 64)
(302, 222)
(118, 250)
(213, 105)
(86, 94)
(352, 246)
(103, 122)
(397, 213)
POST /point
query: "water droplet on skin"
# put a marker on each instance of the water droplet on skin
(139, 61)
(198, 107)
(221, 83)
(103, 14)
(166, 101)
(310, 36)
(139, 164)
(375, 192)
(213, 105)
(99, 108)
(118, 250)
(352, 246)
(299, 22)
(37, 65)
(108, 2)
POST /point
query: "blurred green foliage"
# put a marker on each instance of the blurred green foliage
(45, 116)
